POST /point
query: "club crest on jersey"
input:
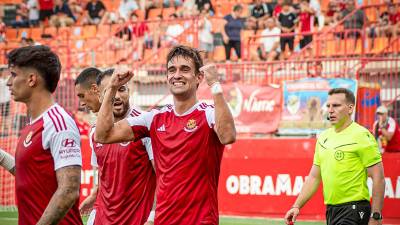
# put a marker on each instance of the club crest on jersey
(190, 126)
(28, 139)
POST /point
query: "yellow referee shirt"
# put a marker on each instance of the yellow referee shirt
(343, 159)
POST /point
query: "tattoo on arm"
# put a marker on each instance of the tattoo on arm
(67, 193)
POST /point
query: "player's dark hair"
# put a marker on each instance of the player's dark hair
(103, 74)
(187, 53)
(87, 77)
(40, 58)
(350, 98)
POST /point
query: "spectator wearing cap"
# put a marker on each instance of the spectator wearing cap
(386, 131)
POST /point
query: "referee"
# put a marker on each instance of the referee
(345, 155)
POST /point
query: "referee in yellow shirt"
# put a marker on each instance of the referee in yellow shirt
(345, 155)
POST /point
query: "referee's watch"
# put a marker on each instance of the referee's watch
(376, 216)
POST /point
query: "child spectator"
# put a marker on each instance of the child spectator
(287, 22)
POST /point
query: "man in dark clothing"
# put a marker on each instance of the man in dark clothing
(231, 32)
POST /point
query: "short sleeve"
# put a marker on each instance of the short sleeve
(93, 158)
(149, 149)
(316, 160)
(391, 125)
(210, 115)
(140, 124)
(368, 151)
(65, 148)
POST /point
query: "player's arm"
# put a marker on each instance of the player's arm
(309, 188)
(67, 193)
(378, 186)
(7, 161)
(224, 125)
(106, 130)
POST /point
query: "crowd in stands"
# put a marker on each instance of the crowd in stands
(283, 26)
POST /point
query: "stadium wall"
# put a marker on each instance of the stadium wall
(262, 177)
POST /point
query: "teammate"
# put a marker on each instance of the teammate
(48, 155)
(188, 138)
(344, 156)
(126, 175)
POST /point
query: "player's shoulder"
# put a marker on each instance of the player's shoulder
(360, 134)
(202, 106)
(165, 109)
(58, 119)
(134, 111)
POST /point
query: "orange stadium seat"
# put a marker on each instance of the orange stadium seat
(103, 31)
(89, 31)
(11, 34)
(36, 33)
(219, 53)
(24, 32)
(166, 12)
(51, 31)
(153, 13)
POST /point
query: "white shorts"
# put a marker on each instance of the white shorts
(92, 215)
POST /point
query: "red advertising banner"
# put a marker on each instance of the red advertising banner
(256, 109)
(263, 177)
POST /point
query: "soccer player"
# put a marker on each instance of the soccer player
(188, 138)
(48, 155)
(345, 155)
(126, 174)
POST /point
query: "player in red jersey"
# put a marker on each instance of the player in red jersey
(188, 138)
(126, 190)
(48, 155)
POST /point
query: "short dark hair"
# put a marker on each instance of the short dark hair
(103, 74)
(40, 58)
(186, 52)
(87, 77)
(237, 7)
(350, 98)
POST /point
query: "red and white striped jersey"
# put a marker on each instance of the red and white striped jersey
(48, 143)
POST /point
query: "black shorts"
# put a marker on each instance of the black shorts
(5, 109)
(307, 39)
(287, 40)
(351, 213)
(45, 14)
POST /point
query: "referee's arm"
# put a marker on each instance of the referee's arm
(308, 190)
(378, 187)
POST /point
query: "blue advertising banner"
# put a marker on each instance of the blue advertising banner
(304, 109)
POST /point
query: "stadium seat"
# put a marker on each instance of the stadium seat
(219, 54)
(153, 13)
(11, 34)
(89, 31)
(36, 33)
(103, 30)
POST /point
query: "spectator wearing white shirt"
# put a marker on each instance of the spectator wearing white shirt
(5, 99)
(33, 7)
(206, 38)
(126, 7)
(269, 42)
(173, 30)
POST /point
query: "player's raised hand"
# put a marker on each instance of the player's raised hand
(291, 215)
(87, 205)
(120, 77)
(210, 72)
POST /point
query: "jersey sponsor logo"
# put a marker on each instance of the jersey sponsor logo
(28, 139)
(68, 143)
(339, 155)
(190, 126)
(361, 214)
(162, 128)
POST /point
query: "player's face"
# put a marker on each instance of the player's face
(339, 109)
(88, 97)
(181, 76)
(20, 83)
(121, 102)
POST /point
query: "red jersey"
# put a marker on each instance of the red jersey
(277, 11)
(46, 4)
(394, 18)
(306, 21)
(187, 154)
(127, 181)
(48, 143)
(394, 144)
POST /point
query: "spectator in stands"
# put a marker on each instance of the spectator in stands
(269, 42)
(63, 16)
(306, 23)
(206, 38)
(172, 3)
(139, 30)
(77, 11)
(333, 13)
(188, 9)
(287, 22)
(394, 19)
(259, 13)
(156, 31)
(5, 99)
(45, 10)
(316, 6)
(386, 131)
(126, 8)
(2, 31)
(33, 8)
(355, 23)
(233, 25)
(277, 8)
(205, 4)
(22, 17)
(95, 10)
(174, 30)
